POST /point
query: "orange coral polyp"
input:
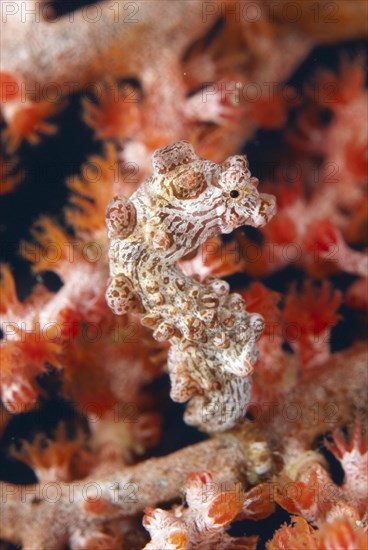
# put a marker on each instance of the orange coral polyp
(263, 300)
(9, 87)
(225, 507)
(341, 89)
(10, 176)
(342, 534)
(356, 156)
(90, 194)
(321, 236)
(28, 122)
(313, 311)
(281, 230)
(8, 294)
(116, 114)
(271, 112)
(298, 497)
(179, 539)
(299, 536)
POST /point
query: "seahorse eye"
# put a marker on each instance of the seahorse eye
(234, 194)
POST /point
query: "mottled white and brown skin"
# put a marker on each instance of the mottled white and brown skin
(185, 202)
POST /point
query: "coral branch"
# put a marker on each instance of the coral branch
(318, 403)
(51, 514)
(84, 47)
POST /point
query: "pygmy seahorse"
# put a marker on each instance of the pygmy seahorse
(185, 202)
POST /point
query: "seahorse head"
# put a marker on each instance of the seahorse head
(243, 204)
(199, 198)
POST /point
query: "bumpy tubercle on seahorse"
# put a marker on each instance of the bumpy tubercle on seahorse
(187, 201)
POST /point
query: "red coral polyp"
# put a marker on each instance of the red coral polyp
(312, 311)
(321, 237)
(9, 87)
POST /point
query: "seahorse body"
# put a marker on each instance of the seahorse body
(185, 202)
